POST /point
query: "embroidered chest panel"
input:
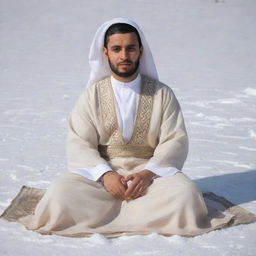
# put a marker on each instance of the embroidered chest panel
(143, 116)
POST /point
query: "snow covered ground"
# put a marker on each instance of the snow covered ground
(204, 49)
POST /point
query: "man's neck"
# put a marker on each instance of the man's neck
(134, 84)
(125, 79)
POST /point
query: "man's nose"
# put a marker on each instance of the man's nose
(124, 54)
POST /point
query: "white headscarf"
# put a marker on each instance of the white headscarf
(100, 67)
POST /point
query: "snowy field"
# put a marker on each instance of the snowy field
(204, 49)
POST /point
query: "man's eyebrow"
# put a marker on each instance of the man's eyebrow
(116, 45)
(129, 45)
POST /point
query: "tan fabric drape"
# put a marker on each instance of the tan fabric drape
(75, 206)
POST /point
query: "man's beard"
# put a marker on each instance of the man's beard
(125, 74)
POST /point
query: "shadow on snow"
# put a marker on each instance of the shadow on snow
(237, 187)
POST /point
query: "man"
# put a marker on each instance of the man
(126, 146)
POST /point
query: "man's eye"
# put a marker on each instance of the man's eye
(130, 49)
(116, 49)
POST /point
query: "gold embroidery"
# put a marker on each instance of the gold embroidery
(142, 122)
(144, 111)
(127, 150)
(108, 111)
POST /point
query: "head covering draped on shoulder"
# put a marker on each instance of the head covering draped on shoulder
(100, 67)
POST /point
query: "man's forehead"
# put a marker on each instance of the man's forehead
(123, 38)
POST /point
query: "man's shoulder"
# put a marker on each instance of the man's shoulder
(101, 82)
(94, 87)
(91, 91)
(160, 87)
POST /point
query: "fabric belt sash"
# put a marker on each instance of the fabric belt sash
(113, 151)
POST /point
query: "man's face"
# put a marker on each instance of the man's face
(123, 54)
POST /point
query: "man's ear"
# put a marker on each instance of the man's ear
(141, 51)
(105, 53)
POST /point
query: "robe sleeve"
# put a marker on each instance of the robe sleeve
(172, 149)
(82, 141)
(161, 171)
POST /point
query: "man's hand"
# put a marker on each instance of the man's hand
(114, 184)
(140, 181)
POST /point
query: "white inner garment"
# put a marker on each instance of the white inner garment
(126, 103)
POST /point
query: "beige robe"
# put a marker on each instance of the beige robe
(76, 206)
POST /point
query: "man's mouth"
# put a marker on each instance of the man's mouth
(124, 64)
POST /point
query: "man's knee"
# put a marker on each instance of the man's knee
(188, 188)
(179, 186)
(65, 184)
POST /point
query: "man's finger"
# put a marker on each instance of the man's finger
(118, 195)
(118, 191)
(141, 192)
(129, 177)
(114, 194)
(131, 187)
(124, 182)
(136, 191)
(121, 191)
